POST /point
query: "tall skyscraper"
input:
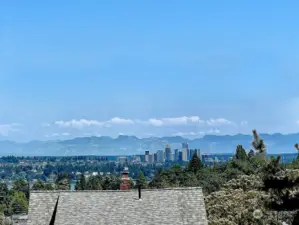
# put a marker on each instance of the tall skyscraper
(176, 155)
(188, 154)
(168, 153)
(185, 147)
(185, 155)
(171, 157)
(151, 158)
(160, 156)
(146, 154)
(180, 156)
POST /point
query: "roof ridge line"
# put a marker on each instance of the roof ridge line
(131, 190)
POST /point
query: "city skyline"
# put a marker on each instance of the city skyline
(71, 69)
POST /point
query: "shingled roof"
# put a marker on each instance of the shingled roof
(180, 206)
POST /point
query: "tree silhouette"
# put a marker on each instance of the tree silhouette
(63, 182)
(195, 164)
(141, 180)
(297, 147)
(259, 145)
(81, 183)
(281, 186)
(240, 153)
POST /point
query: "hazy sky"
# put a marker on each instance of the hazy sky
(147, 68)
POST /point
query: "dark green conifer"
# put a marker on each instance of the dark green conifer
(241, 153)
(81, 183)
(195, 164)
(141, 180)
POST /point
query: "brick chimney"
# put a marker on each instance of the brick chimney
(125, 180)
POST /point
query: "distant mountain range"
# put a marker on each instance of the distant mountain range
(124, 145)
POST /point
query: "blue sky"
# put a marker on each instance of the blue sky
(147, 68)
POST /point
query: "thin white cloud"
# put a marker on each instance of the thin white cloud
(87, 123)
(200, 133)
(172, 121)
(244, 123)
(121, 121)
(186, 134)
(297, 122)
(78, 123)
(157, 122)
(6, 129)
(57, 135)
(219, 121)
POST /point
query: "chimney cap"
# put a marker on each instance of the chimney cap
(126, 170)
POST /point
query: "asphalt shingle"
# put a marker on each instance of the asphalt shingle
(179, 206)
(41, 207)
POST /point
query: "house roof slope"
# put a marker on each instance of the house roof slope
(41, 207)
(180, 206)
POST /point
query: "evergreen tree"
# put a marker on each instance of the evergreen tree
(2, 218)
(5, 198)
(141, 180)
(21, 185)
(81, 183)
(195, 164)
(297, 147)
(259, 145)
(110, 183)
(250, 154)
(38, 185)
(282, 188)
(63, 182)
(19, 203)
(93, 183)
(49, 187)
(240, 153)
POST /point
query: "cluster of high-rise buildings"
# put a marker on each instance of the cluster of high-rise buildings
(167, 155)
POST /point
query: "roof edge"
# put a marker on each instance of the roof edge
(131, 190)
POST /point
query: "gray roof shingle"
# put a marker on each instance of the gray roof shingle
(180, 206)
(41, 207)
